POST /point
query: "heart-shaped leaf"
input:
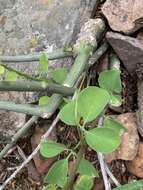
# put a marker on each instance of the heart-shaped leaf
(11, 76)
(115, 100)
(58, 173)
(67, 114)
(1, 70)
(87, 168)
(50, 149)
(91, 102)
(44, 100)
(103, 140)
(59, 75)
(50, 187)
(136, 185)
(114, 125)
(110, 80)
(84, 183)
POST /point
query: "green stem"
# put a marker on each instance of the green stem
(56, 99)
(22, 74)
(41, 111)
(84, 50)
(16, 137)
(35, 86)
(58, 54)
(98, 53)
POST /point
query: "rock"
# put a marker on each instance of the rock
(129, 140)
(10, 121)
(129, 50)
(42, 165)
(124, 16)
(27, 26)
(136, 166)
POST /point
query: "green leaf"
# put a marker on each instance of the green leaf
(44, 100)
(114, 125)
(67, 114)
(11, 76)
(116, 100)
(43, 61)
(59, 75)
(1, 70)
(84, 183)
(110, 80)
(103, 140)
(131, 186)
(57, 173)
(91, 102)
(50, 149)
(50, 187)
(87, 168)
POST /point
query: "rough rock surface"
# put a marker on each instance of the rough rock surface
(129, 50)
(28, 26)
(136, 166)
(42, 165)
(129, 140)
(124, 16)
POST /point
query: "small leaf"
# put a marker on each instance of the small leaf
(11, 76)
(44, 100)
(50, 149)
(84, 183)
(58, 173)
(110, 80)
(91, 102)
(103, 140)
(114, 125)
(1, 70)
(87, 168)
(50, 187)
(137, 185)
(59, 75)
(44, 62)
(116, 100)
(67, 114)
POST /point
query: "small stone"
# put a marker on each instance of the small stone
(129, 140)
(136, 166)
(124, 16)
(129, 50)
(42, 165)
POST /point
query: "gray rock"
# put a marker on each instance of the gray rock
(124, 16)
(30, 25)
(129, 50)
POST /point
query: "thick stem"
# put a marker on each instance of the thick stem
(35, 86)
(58, 54)
(24, 75)
(56, 99)
(98, 53)
(41, 111)
(16, 137)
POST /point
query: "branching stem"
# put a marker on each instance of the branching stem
(33, 86)
(58, 54)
